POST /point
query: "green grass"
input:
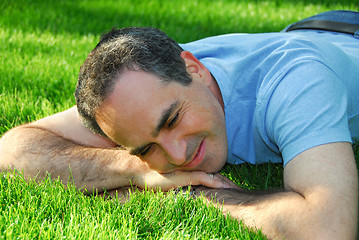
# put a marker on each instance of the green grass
(48, 210)
(43, 44)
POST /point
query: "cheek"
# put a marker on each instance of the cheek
(207, 110)
(201, 119)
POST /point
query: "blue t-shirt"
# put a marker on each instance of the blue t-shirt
(284, 93)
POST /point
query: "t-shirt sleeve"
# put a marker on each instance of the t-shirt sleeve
(308, 108)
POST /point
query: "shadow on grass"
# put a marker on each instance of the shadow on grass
(75, 17)
(178, 20)
(256, 177)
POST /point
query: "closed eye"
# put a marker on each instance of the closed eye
(146, 150)
(169, 125)
(173, 121)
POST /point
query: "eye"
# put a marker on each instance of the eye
(173, 121)
(146, 150)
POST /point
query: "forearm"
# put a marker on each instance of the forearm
(35, 151)
(288, 215)
(278, 215)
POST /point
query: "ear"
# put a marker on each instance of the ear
(195, 68)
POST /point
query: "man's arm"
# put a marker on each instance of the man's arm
(320, 199)
(61, 146)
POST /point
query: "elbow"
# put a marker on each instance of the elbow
(324, 215)
(332, 233)
(7, 151)
(11, 149)
(333, 218)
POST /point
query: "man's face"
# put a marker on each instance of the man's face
(169, 126)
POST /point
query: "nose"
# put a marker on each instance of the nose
(175, 150)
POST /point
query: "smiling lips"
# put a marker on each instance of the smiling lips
(198, 157)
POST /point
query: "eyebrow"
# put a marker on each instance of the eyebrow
(164, 118)
(161, 123)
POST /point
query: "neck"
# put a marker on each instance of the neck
(216, 91)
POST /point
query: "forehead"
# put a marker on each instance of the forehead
(134, 107)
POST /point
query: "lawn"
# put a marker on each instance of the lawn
(43, 44)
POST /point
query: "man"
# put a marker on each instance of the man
(185, 112)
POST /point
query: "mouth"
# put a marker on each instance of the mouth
(197, 159)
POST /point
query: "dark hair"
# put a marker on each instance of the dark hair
(146, 49)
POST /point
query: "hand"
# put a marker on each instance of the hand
(232, 196)
(168, 181)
